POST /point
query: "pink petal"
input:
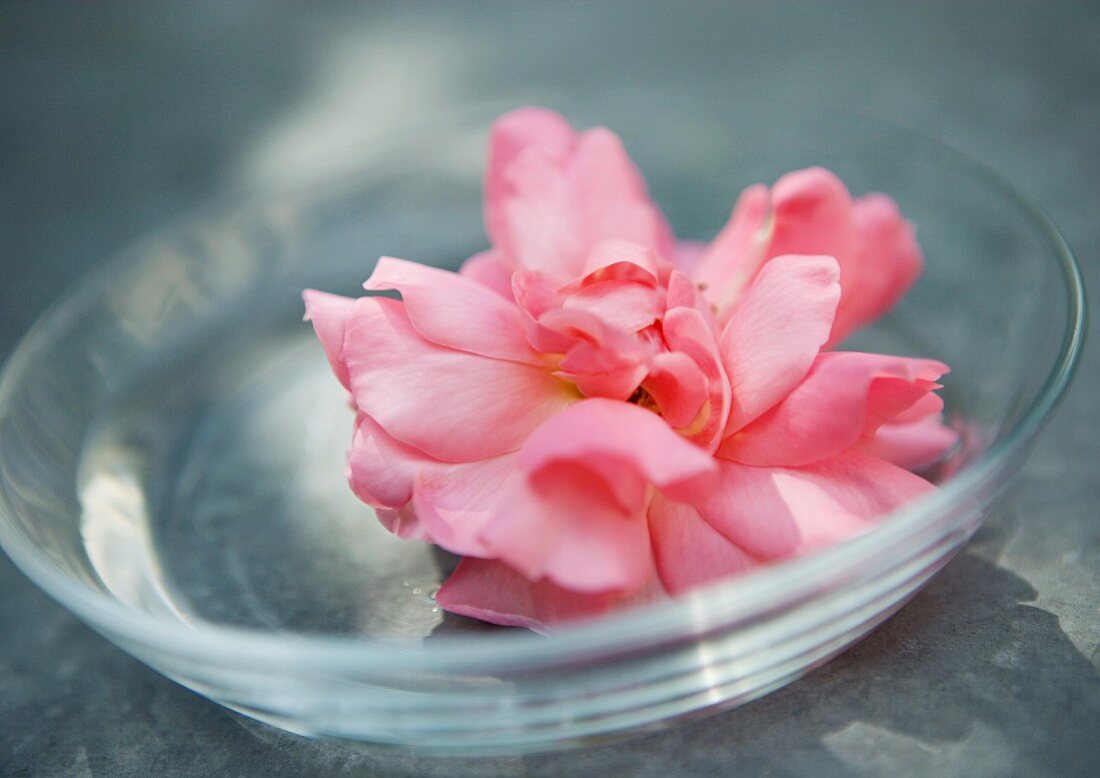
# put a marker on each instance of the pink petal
(493, 592)
(513, 134)
(688, 551)
(681, 292)
(844, 397)
(451, 310)
(886, 264)
(451, 405)
(776, 330)
(773, 513)
(382, 470)
(612, 197)
(403, 523)
(627, 305)
(489, 269)
(329, 314)
(617, 440)
(567, 521)
(688, 332)
(687, 255)
(455, 503)
(812, 214)
(733, 258)
(541, 229)
(678, 387)
(914, 445)
(552, 195)
(622, 261)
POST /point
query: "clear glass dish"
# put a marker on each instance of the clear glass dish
(171, 446)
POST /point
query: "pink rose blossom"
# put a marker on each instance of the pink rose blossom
(593, 415)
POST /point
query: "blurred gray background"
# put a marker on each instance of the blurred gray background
(116, 117)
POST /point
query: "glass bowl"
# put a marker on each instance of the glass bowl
(171, 446)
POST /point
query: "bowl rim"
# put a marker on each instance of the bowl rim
(695, 613)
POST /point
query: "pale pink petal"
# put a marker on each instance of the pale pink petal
(612, 197)
(567, 521)
(845, 397)
(512, 134)
(735, 255)
(403, 523)
(491, 591)
(540, 226)
(452, 405)
(626, 305)
(617, 440)
(912, 444)
(688, 551)
(489, 269)
(382, 470)
(775, 332)
(623, 261)
(687, 255)
(454, 503)
(886, 264)
(329, 314)
(451, 310)
(552, 195)
(773, 513)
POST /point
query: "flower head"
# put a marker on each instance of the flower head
(593, 414)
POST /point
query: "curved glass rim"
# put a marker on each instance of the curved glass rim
(692, 614)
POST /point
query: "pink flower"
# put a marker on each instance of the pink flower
(593, 415)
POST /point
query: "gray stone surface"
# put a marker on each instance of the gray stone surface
(114, 118)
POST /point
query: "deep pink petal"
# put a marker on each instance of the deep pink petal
(735, 255)
(569, 522)
(845, 397)
(812, 213)
(774, 513)
(451, 310)
(620, 439)
(883, 268)
(329, 314)
(491, 591)
(489, 269)
(678, 386)
(688, 551)
(687, 331)
(452, 405)
(776, 330)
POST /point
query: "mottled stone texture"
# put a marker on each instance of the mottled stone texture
(115, 118)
